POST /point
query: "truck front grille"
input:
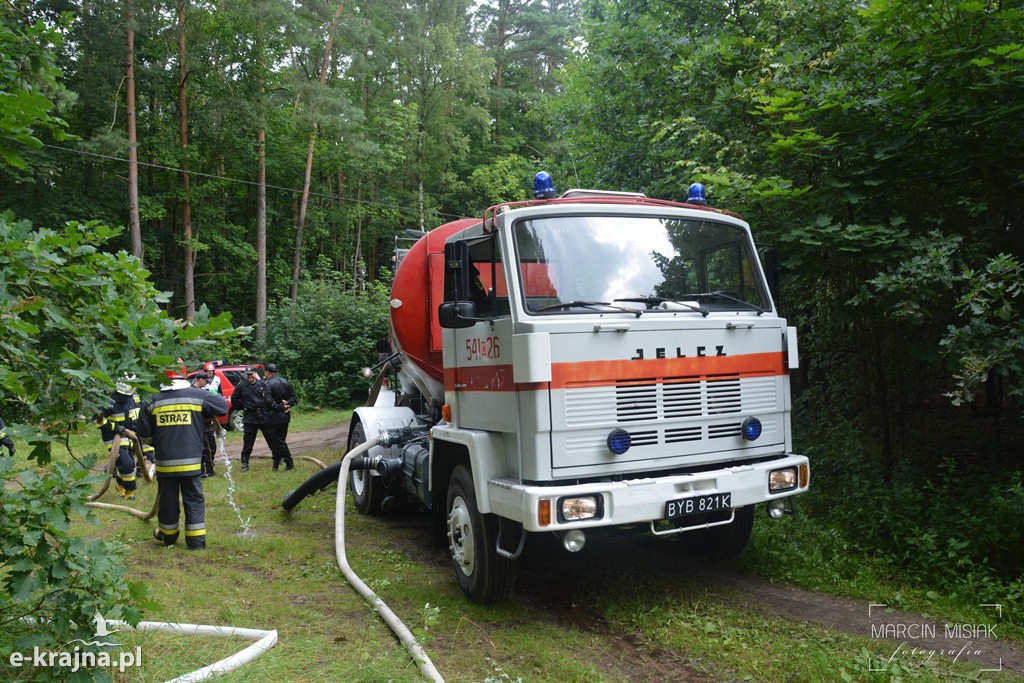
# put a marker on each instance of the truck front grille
(681, 409)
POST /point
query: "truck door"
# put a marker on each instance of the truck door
(481, 358)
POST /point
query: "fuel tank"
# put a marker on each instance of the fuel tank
(416, 292)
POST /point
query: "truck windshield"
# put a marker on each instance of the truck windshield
(574, 264)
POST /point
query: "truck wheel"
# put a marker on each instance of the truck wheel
(720, 542)
(235, 421)
(484, 575)
(367, 490)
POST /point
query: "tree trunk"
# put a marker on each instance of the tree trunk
(261, 195)
(359, 236)
(186, 204)
(300, 224)
(134, 229)
(300, 220)
(499, 70)
(261, 236)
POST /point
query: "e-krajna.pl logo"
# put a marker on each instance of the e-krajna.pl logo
(77, 657)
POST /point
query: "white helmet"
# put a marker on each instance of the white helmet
(123, 387)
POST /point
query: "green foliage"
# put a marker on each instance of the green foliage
(55, 581)
(323, 341)
(27, 71)
(990, 340)
(75, 320)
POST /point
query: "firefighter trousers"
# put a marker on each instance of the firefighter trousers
(277, 435)
(124, 469)
(190, 490)
(249, 432)
(209, 452)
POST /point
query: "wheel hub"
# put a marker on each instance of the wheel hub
(460, 536)
(358, 482)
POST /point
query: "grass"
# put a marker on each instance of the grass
(622, 610)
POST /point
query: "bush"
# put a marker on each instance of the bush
(55, 582)
(322, 341)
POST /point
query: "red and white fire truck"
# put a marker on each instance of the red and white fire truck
(575, 364)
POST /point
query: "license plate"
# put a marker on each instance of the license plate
(697, 505)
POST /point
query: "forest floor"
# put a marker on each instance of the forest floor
(557, 585)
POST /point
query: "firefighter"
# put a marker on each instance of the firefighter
(5, 440)
(277, 421)
(120, 414)
(173, 423)
(201, 380)
(214, 380)
(253, 397)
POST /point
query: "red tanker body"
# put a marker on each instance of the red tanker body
(417, 290)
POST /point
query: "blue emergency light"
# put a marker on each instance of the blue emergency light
(543, 186)
(698, 195)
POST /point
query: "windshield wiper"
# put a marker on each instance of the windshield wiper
(585, 304)
(730, 297)
(655, 300)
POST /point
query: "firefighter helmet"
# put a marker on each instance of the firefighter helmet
(123, 386)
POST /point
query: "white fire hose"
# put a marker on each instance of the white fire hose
(264, 641)
(385, 613)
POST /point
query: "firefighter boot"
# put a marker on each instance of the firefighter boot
(164, 537)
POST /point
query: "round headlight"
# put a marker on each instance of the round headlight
(619, 441)
(574, 541)
(751, 428)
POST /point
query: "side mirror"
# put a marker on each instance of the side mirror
(457, 314)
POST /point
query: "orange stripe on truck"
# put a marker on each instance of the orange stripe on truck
(498, 378)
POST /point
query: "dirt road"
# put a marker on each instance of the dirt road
(557, 583)
(298, 442)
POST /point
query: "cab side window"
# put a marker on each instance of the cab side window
(488, 289)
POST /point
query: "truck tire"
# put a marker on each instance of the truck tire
(367, 490)
(235, 421)
(484, 576)
(720, 542)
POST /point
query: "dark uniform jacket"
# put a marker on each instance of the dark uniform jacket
(254, 400)
(280, 390)
(173, 423)
(123, 411)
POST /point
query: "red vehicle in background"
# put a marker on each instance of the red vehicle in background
(229, 376)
